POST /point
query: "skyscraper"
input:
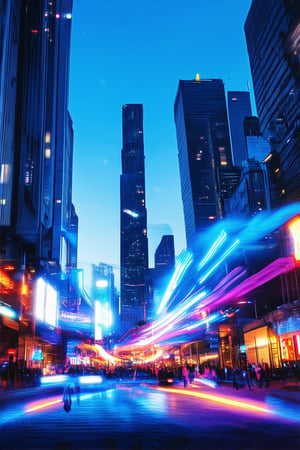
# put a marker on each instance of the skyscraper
(239, 107)
(272, 31)
(164, 260)
(37, 151)
(203, 147)
(38, 222)
(134, 241)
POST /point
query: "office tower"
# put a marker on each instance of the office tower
(9, 35)
(239, 107)
(164, 260)
(252, 195)
(203, 147)
(38, 223)
(272, 36)
(134, 241)
(36, 155)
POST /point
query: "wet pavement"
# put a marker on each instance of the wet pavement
(144, 416)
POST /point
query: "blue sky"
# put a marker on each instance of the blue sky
(136, 52)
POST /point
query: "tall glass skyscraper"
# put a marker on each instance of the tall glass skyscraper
(203, 147)
(272, 31)
(239, 107)
(134, 241)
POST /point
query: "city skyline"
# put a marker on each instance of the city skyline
(139, 56)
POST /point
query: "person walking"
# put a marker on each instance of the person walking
(185, 375)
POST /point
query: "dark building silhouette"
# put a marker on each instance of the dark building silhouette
(272, 35)
(251, 126)
(164, 260)
(203, 147)
(134, 241)
(239, 107)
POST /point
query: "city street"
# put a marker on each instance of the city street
(141, 416)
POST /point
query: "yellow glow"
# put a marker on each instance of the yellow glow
(197, 77)
(47, 153)
(3, 201)
(24, 287)
(218, 399)
(5, 280)
(43, 405)
(48, 137)
(267, 158)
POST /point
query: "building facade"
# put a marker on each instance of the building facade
(134, 241)
(164, 260)
(203, 146)
(239, 107)
(272, 36)
(38, 222)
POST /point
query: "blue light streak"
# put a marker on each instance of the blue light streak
(217, 244)
(182, 265)
(227, 253)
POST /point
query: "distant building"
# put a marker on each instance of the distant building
(258, 147)
(239, 107)
(272, 35)
(203, 147)
(251, 126)
(134, 241)
(252, 195)
(164, 260)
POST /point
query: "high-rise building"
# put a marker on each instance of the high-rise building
(164, 260)
(134, 241)
(272, 32)
(203, 146)
(239, 107)
(38, 222)
(36, 155)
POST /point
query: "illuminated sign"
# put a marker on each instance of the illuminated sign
(46, 303)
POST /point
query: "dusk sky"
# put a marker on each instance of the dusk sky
(136, 52)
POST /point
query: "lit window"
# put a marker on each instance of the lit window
(58, 200)
(4, 177)
(223, 159)
(47, 153)
(2, 201)
(47, 137)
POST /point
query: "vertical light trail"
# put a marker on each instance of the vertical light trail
(227, 253)
(180, 269)
(217, 244)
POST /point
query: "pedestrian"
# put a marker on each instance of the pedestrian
(258, 374)
(185, 375)
(246, 378)
(67, 397)
(236, 378)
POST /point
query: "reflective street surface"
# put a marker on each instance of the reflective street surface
(141, 416)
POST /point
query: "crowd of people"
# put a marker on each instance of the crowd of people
(252, 375)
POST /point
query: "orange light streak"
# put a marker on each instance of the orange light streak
(41, 405)
(219, 399)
